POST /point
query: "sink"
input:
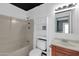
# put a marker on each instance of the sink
(70, 44)
(65, 42)
(74, 43)
(60, 42)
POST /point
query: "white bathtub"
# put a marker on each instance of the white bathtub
(19, 52)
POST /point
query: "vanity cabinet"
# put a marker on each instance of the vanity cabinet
(60, 51)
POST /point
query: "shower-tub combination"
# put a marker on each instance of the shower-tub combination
(16, 36)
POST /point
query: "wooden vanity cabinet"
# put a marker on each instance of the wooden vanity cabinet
(60, 51)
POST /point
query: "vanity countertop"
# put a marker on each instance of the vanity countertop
(70, 44)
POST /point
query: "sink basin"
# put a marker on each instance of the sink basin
(66, 43)
(60, 42)
(70, 44)
(76, 44)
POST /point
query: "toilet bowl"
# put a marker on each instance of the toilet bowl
(35, 52)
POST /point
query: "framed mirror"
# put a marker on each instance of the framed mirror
(63, 22)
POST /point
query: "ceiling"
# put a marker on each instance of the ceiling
(26, 6)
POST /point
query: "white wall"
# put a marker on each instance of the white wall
(47, 11)
(11, 10)
(44, 11)
(76, 20)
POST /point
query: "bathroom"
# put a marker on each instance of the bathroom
(45, 28)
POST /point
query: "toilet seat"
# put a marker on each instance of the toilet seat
(35, 52)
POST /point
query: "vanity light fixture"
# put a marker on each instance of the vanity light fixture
(66, 6)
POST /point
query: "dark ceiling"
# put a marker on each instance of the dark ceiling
(26, 6)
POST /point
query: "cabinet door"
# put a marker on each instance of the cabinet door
(60, 54)
(67, 52)
(60, 51)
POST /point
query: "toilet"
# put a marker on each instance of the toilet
(40, 46)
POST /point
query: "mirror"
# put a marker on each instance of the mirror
(63, 24)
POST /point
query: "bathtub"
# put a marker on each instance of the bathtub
(24, 51)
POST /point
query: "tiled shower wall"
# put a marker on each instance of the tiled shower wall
(14, 34)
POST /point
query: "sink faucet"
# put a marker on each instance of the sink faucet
(64, 40)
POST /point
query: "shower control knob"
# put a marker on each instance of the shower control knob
(27, 41)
